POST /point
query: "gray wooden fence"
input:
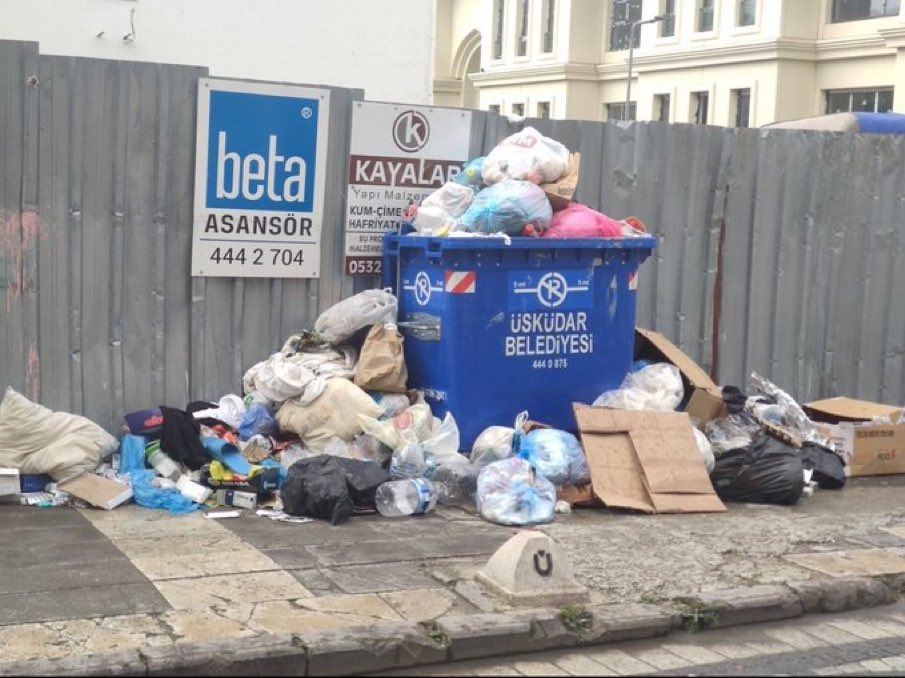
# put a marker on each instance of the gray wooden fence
(780, 251)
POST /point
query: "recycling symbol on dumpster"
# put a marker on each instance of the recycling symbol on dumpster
(422, 289)
(552, 290)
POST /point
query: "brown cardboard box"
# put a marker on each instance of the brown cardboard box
(868, 449)
(560, 192)
(706, 400)
(646, 461)
(97, 490)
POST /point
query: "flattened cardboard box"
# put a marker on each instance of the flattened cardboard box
(97, 490)
(868, 449)
(561, 191)
(646, 461)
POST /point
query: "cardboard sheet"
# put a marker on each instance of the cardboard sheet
(653, 345)
(834, 410)
(97, 490)
(645, 461)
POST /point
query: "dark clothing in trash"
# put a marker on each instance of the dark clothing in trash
(766, 472)
(179, 438)
(331, 487)
(829, 468)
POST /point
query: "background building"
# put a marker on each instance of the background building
(723, 62)
(382, 47)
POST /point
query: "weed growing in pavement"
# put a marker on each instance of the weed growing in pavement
(577, 619)
(698, 616)
(436, 634)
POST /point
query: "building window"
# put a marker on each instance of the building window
(543, 109)
(549, 14)
(668, 25)
(859, 100)
(621, 34)
(746, 10)
(705, 16)
(742, 104)
(617, 111)
(700, 101)
(661, 107)
(852, 10)
(499, 9)
(518, 109)
(494, 108)
(521, 21)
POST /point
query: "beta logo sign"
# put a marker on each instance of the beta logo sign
(259, 179)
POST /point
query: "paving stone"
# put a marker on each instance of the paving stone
(632, 621)
(619, 662)
(379, 578)
(579, 664)
(316, 581)
(749, 605)
(487, 634)
(200, 593)
(272, 655)
(203, 626)
(796, 638)
(831, 634)
(874, 665)
(420, 605)
(839, 595)
(472, 545)
(368, 608)
(475, 594)
(860, 629)
(770, 648)
(382, 646)
(51, 576)
(82, 546)
(696, 654)
(98, 601)
(538, 669)
(282, 616)
(364, 552)
(661, 659)
(237, 562)
(896, 663)
(733, 650)
(128, 663)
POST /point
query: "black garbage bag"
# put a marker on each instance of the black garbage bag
(829, 468)
(317, 487)
(768, 471)
(363, 478)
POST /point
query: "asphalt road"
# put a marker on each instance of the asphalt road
(865, 642)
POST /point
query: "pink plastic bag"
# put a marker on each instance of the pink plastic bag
(580, 221)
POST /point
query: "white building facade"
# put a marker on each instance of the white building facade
(722, 62)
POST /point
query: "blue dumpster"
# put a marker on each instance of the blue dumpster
(492, 329)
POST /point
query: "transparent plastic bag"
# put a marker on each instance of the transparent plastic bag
(557, 455)
(294, 453)
(392, 403)
(258, 420)
(342, 320)
(472, 175)
(442, 208)
(507, 207)
(730, 433)
(510, 492)
(498, 442)
(654, 387)
(793, 416)
(444, 440)
(368, 448)
(408, 461)
(526, 155)
(705, 449)
(417, 419)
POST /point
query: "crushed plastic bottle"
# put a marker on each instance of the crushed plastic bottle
(456, 483)
(405, 497)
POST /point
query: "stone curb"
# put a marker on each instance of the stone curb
(395, 645)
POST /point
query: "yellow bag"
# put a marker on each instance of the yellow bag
(382, 363)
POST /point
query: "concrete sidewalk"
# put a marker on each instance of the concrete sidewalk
(133, 590)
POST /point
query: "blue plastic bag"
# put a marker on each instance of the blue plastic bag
(508, 207)
(557, 455)
(472, 175)
(258, 419)
(510, 492)
(132, 454)
(145, 494)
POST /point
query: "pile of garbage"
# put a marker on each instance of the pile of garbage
(517, 190)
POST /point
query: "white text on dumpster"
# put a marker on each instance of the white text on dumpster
(542, 334)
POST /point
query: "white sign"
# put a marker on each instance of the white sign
(259, 179)
(399, 155)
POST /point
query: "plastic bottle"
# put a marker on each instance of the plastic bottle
(161, 462)
(405, 497)
(408, 461)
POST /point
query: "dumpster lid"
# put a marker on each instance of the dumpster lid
(646, 242)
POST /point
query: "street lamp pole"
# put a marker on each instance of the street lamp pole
(631, 57)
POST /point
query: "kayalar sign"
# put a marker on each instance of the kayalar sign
(259, 179)
(398, 156)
